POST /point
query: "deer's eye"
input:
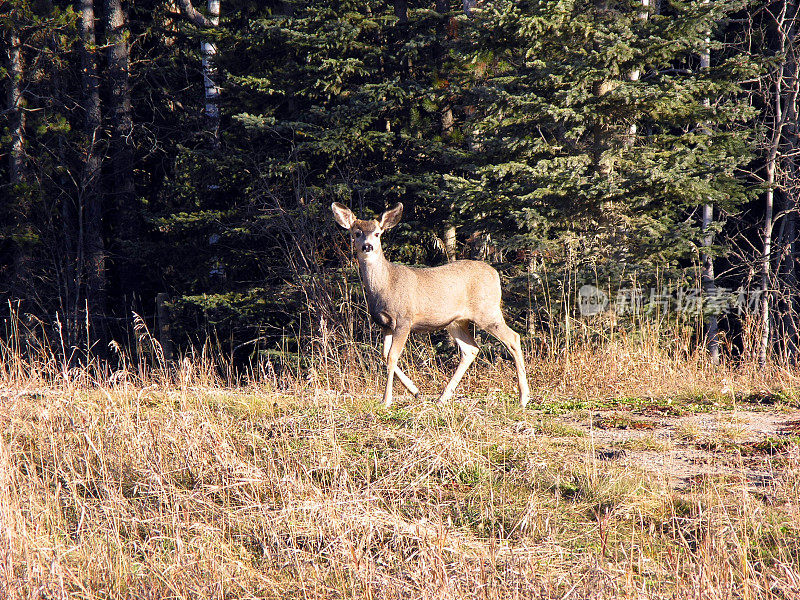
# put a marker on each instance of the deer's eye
(357, 234)
(378, 234)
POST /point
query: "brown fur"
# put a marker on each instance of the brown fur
(402, 299)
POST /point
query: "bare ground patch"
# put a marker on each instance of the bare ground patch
(685, 449)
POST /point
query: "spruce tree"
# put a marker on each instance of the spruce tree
(557, 156)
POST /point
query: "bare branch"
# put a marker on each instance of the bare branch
(191, 13)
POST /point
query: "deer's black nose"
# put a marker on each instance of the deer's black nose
(366, 248)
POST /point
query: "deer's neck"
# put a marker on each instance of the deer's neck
(375, 275)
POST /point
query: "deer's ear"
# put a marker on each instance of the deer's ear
(343, 215)
(391, 217)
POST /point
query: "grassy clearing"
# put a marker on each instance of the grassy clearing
(172, 485)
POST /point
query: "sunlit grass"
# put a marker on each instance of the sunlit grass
(173, 481)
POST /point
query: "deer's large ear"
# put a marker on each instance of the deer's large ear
(391, 217)
(343, 215)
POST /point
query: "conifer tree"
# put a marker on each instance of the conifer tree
(330, 101)
(556, 160)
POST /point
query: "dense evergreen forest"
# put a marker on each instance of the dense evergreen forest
(178, 161)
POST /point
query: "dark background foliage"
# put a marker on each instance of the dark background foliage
(566, 142)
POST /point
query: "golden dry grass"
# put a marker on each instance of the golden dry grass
(154, 484)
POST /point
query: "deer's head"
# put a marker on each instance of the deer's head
(366, 234)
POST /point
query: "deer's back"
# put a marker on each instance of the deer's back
(434, 297)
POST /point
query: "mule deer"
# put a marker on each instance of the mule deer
(403, 299)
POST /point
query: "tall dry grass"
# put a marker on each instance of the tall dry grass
(155, 480)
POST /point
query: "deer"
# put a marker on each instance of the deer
(402, 299)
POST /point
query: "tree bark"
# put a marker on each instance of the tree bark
(91, 249)
(788, 279)
(600, 87)
(401, 11)
(16, 156)
(126, 211)
(164, 321)
(765, 266)
(709, 284)
(707, 278)
(784, 100)
(791, 189)
(212, 91)
(208, 51)
(446, 121)
(636, 74)
(195, 18)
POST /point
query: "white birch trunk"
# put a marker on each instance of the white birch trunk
(709, 284)
(785, 92)
(212, 91)
(707, 278)
(765, 265)
(207, 51)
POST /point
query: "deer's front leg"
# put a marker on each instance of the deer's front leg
(399, 337)
(404, 379)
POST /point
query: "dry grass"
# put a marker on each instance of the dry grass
(148, 483)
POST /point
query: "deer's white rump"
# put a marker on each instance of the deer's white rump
(403, 299)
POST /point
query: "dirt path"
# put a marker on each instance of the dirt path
(737, 444)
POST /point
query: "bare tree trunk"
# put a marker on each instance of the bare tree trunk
(709, 283)
(16, 156)
(784, 100)
(90, 247)
(791, 189)
(194, 17)
(401, 11)
(790, 278)
(16, 153)
(707, 278)
(447, 119)
(636, 74)
(212, 91)
(765, 264)
(208, 51)
(446, 122)
(164, 322)
(787, 279)
(65, 257)
(600, 87)
(123, 192)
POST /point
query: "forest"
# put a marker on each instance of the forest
(189, 376)
(169, 167)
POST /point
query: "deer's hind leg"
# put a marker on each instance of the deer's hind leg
(404, 379)
(469, 351)
(511, 340)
